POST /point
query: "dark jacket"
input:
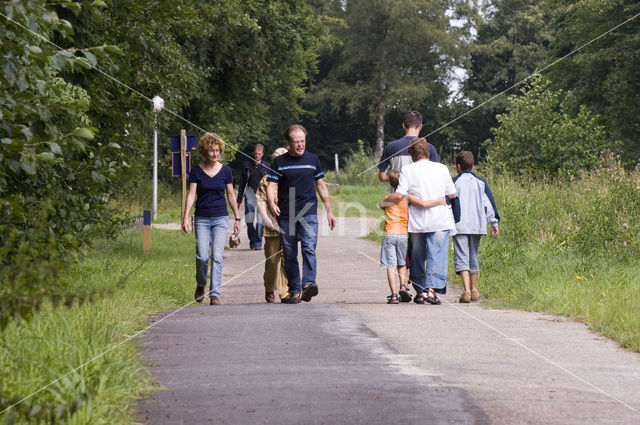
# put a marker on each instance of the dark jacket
(246, 170)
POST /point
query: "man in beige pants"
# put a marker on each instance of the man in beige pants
(275, 278)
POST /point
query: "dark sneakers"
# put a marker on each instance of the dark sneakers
(199, 295)
(309, 291)
(292, 299)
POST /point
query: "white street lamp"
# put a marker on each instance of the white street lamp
(158, 105)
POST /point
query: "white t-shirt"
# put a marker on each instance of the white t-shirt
(427, 180)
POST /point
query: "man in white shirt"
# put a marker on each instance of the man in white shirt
(429, 227)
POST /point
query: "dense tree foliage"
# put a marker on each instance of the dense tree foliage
(539, 137)
(604, 76)
(76, 116)
(393, 57)
(512, 42)
(592, 47)
(55, 177)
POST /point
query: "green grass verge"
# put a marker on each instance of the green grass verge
(358, 201)
(57, 341)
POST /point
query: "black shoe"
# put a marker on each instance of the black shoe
(199, 295)
(251, 245)
(293, 299)
(309, 291)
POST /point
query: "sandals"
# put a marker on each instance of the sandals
(432, 298)
(405, 296)
(392, 299)
(418, 299)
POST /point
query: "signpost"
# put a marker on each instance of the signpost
(183, 169)
(181, 147)
(146, 232)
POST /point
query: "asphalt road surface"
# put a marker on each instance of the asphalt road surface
(349, 358)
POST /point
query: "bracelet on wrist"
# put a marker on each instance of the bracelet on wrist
(238, 219)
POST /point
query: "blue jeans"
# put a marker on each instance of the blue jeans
(432, 247)
(211, 235)
(252, 218)
(304, 230)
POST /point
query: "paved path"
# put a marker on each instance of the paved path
(349, 358)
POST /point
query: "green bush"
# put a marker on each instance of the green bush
(539, 137)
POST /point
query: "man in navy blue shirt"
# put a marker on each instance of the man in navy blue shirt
(396, 155)
(291, 193)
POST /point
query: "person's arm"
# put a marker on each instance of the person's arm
(272, 189)
(262, 210)
(261, 202)
(231, 198)
(391, 199)
(383, 164)
(412, 199)
(433, 153)
(490, 213)
(323, 191)
(191, 197)
(243, 183)
(492, 201)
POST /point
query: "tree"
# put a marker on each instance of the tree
(512, 42)
(538, 136)
(605, 75)
(394, 55)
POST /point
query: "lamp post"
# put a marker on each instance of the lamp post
(158, 104)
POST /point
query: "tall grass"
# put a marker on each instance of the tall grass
(56, 341)
(569, 248)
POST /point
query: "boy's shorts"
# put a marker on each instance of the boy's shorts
(393, 252)
(465, 253)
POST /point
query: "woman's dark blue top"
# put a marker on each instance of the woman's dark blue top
(210, 199)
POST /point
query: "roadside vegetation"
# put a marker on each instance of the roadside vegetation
(58, 340)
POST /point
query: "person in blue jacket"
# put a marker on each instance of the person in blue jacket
(472, 210)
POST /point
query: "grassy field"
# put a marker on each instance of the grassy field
(358, 201)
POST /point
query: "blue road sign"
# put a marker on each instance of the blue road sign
(192, 142)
